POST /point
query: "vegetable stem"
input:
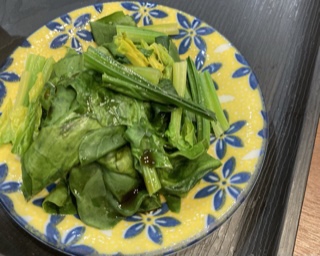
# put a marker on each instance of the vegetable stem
(212, 102)
(151, 179)
(120, 74)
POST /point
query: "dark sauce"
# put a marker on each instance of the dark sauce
(147, 158)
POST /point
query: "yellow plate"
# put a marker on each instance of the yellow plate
(241, 149)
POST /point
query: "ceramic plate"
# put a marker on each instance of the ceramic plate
(241, 149)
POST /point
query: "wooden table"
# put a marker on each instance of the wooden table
(308, 236)
(280, 39)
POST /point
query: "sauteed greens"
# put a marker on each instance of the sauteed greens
(117, 128)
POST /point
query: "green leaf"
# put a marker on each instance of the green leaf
(186, 173)
(100, 142)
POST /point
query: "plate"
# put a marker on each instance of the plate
(241, 149)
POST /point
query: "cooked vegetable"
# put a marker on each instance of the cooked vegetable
(114, 127)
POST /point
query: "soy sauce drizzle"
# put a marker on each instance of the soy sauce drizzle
(147, 158)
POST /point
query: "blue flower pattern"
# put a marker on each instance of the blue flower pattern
(68, 30)
(223, 185)
(70, 240)
(244, 71)
(263, 133)
(6, 76)
(152, 223)
(192, 32)
(145, 11)
(7, 187)
(228, 138)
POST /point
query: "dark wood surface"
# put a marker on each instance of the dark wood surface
(280, 39)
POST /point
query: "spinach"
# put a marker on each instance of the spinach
(115, 127)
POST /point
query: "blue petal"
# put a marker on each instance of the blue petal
(10, 187)
(221, 148)
(3, 92)
(155, 234)
(134, 218)
(134, 230)
(59, 41)
(51, 187)
(66, 18)
(3, 172)
(6, 64)
(81, 250)
(211, 177)
(74, 236)
(7, 202)
(85, 35)
(195, 23)
(234, 141)
(206, 191)
(147, 20)
(200, 59)
(164, 209)
(210, 220)
(75, 44)
(52, 234)
(26, 44)
(212, 139)
(182, 33)
(264, 115)
(158, 14)
(82, 20)
(167, 222)
(213, 67)
(236, 127)
(228, 167)
(130, 6)
(219, 199)
(263, 133)
(253, 81)
(200, 43)
(215, 85)
(38, 202)
(241, 59)
(240, 178)
(185, 45)
(56, 219)
(204, 31)
(55, 26)
(9, 77)
(98, 7)
(234, 191)
(136, 16)
(183, 21)
(150, 5)
(243, 71)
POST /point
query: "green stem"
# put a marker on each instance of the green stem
(123, 76)
(151, 179)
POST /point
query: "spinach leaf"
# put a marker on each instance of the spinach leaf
(186, 173)
(54, 152)
(119, 161)
(59, 201)
(99, 142)
(94, 200)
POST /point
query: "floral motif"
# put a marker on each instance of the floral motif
(6, 76)
(192, 31)
(245, 70)
(200, 61)
(7, 187)
(69, 240)
(264, 131)
(223, 185)
(145, 11)
(98, 7)
(151, 222)
(68, 30)
(228, 138)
